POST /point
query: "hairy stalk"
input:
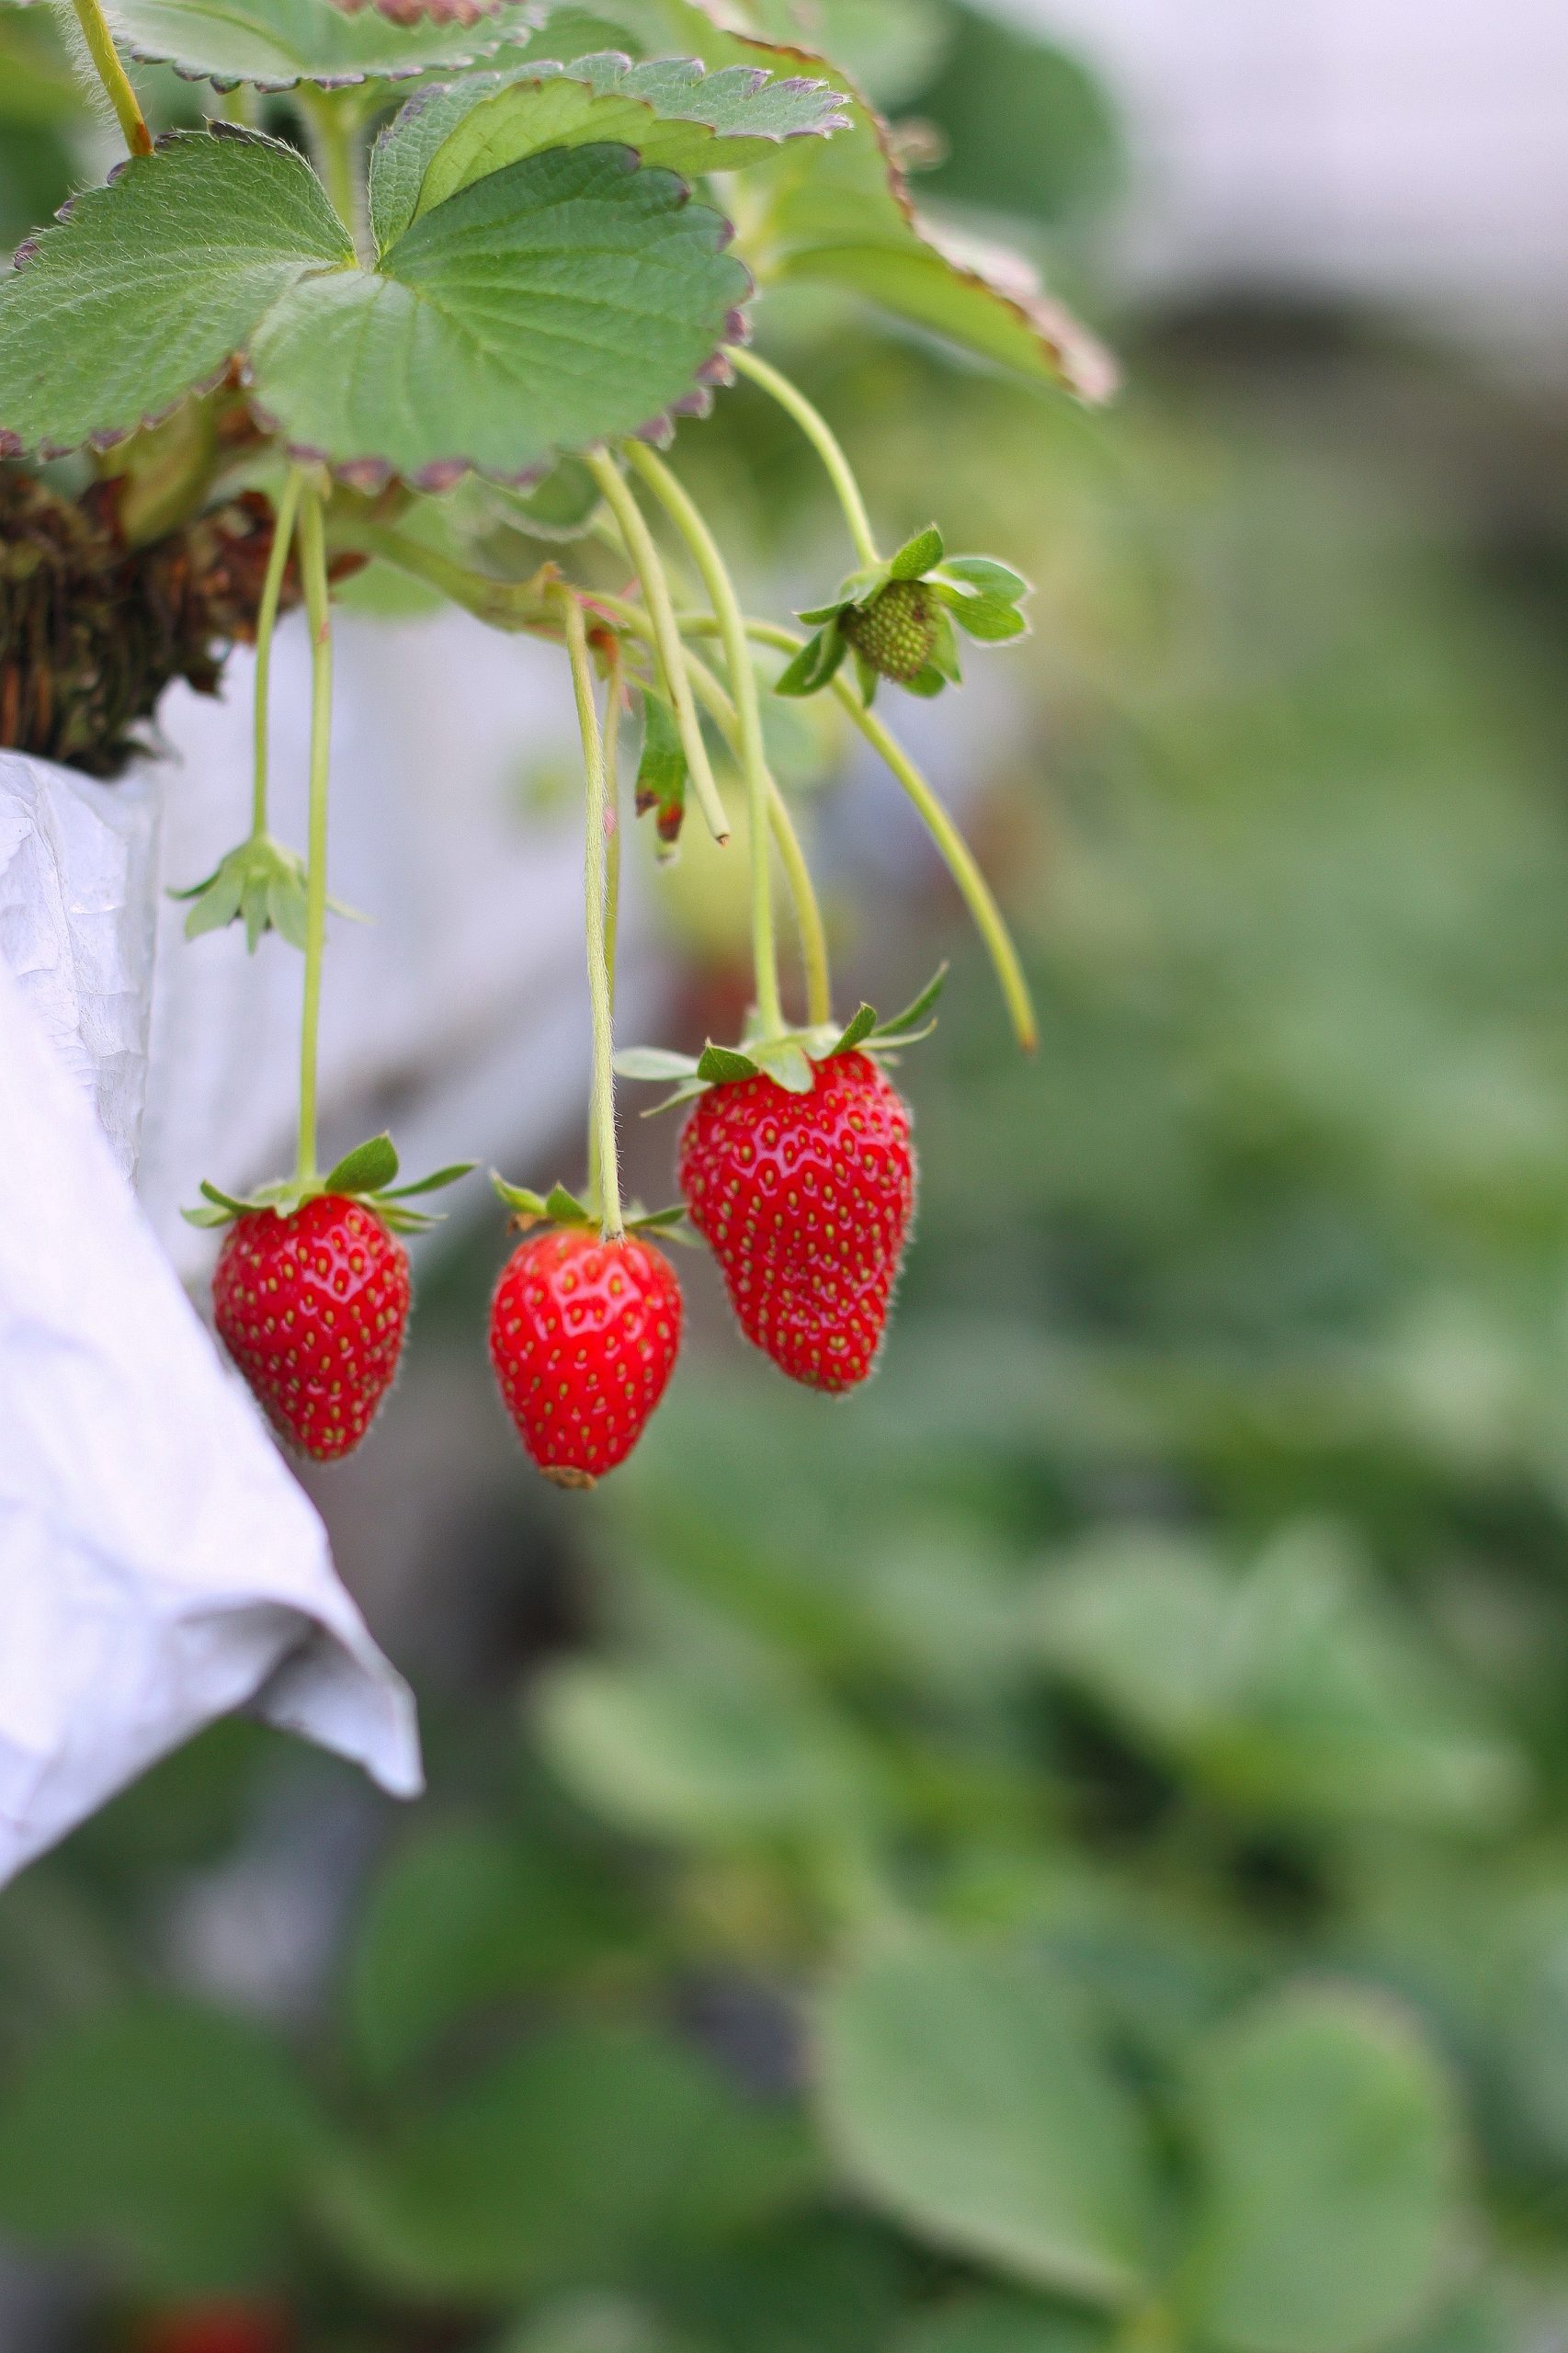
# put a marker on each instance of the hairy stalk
(956, 852)
(265, 622)
(824, 440)
(716, 579)
(644, 558)
(961, 865)
(112, 75)
(615, 691)
(333, 120)
(312, 564)
(517, 605)
(809, 926)
(612, 1224)
(615, 694)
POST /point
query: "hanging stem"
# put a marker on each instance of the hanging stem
(113, 75)
(716, 579)
(809, 925)
(822, 439)
(266, 621)
(613, 698)
(956, 852)
(611, 1223)
(645, 563)
(313, 563)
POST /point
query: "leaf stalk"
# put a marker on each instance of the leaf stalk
(694, 530)
(650, 570)
(312, 564)
(107, 65)
(612, 1223)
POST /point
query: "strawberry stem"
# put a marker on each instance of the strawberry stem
(808, 924)
(644, 558)
(824, 440)
(266, 621)
(614, 697)
(959, 859)
(313, 565)
(612, 1224)
(105, 64)
(716, 579)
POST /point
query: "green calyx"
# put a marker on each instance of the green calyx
(899, 619)
(789, 1060)
(557, 1207)
(262, 885)
(367, 1173)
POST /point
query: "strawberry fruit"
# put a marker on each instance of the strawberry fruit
(228, 2327)
(806, 1201)
(583, 1337)
(896, 631)
(313, 1306)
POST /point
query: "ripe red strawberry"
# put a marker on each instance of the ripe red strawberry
(806, 1201)
(217, 2328)
(583, 1336)
(312, 1308)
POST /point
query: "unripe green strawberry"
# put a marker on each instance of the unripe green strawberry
(896, 631)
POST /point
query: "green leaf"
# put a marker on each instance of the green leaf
(216, 902)
(918, 556)
(788, 1065)
(913, 1015)
(365, 1169)
(992, 579)
(668, 112)
(945, 658)
(817, 663)
(674, 1754)
(992, 619)
(148, 287)
(561, 301)
(837, 213)
(658, 1220)
(862, 1027)
(207, 1218)
(225, 1201)
(276, 43)
(661, 770)
(721, 1067)
(965, 2094)
(653, 1063)
(1330, 2146)
(163, 2135)
(435, 1183)
(286, 913)
(566, 1209)
(518, 1198)
(1292, 1690)
(462, 1916)
(576, 2156)
(986, 2322)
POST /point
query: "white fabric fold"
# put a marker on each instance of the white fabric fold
(159, 1566)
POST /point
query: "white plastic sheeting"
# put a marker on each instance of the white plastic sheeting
(158, 1564)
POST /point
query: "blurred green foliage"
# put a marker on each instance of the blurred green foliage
(1069, 1849)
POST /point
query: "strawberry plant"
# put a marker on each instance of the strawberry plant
(464, 288)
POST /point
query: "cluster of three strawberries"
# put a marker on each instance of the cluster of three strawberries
(805, 1200)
